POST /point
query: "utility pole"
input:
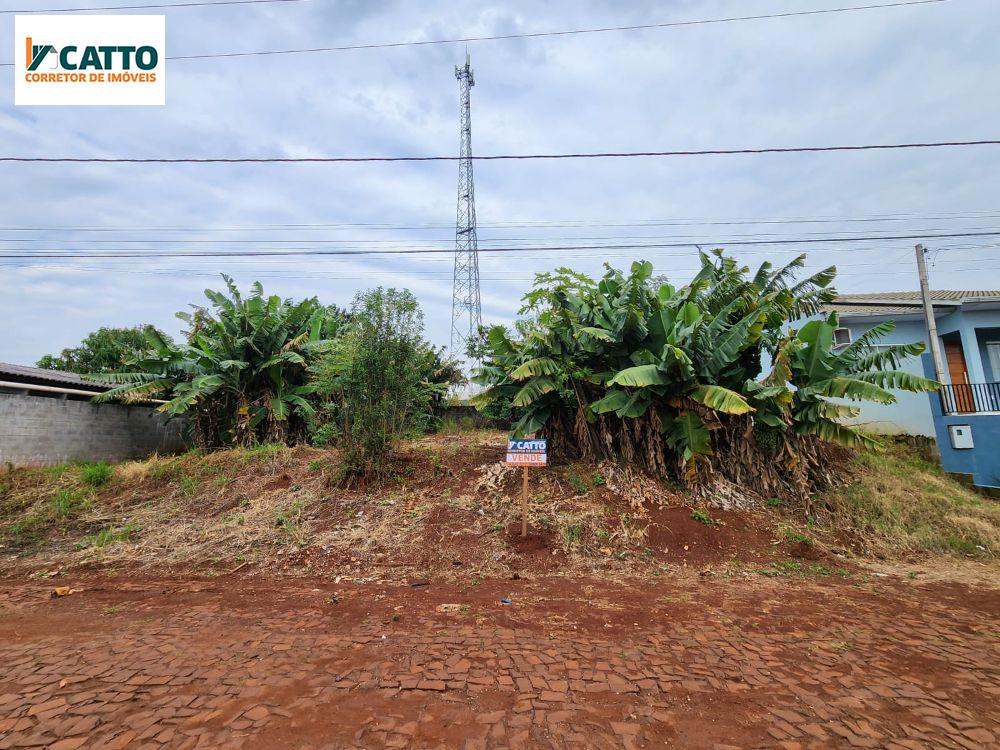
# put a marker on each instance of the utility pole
(466, 307)
(932, 333)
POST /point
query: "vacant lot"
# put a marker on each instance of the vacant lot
(246, 599)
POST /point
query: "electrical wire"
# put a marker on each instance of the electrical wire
(540, 34)
(126, 253)
(426, 241)
(493, 157)
(541, 224)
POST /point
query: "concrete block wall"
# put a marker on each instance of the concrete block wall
(41, 431)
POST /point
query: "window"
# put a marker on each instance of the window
(841, 336)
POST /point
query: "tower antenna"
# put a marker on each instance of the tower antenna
(466, 307)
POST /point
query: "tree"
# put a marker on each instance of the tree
(241, 376)
(104, 350)
(671, 378)
(382, 380)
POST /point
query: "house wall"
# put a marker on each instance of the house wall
(41, 431)
(967, 322)
(984, 337)
(981, 463)
(911, 414)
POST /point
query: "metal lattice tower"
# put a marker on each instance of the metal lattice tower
(466, 307)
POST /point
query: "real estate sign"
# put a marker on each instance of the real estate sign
(528, 452)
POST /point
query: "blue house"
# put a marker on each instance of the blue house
(968, 324)
(964, 416)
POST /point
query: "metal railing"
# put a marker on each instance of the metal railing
(970, 398)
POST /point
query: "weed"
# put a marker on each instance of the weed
(702, 516)
(572, 534)
(188, 485)
(289, 520)
(68, 502)
(55, 472)
(576, 482)
(96, 474)
(316, 466)
(26, 531)
(598, 479)
(774, 502)
(266, 450)
(795, 568)
(796, 537)
(110, 535)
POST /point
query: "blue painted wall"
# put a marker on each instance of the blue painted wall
(982, 462)
(911, 414)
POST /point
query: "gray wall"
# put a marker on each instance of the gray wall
(39, 431)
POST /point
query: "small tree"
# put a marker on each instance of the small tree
(104, 350)
(376, 378)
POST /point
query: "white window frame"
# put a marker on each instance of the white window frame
(837, 344)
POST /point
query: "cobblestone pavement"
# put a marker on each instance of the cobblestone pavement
(693, 664)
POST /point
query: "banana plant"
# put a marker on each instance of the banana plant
(632, 356)
(241, 374)
(824, 377)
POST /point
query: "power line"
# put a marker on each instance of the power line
(495, 157)
(540, 34)
(127, 253)
(426, 241)
(396, 273)
(200, 4)
(539, 224)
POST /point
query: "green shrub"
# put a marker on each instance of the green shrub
(381, 378)
(702, 517)
(96, 474)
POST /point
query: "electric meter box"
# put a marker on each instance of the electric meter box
(961, 436)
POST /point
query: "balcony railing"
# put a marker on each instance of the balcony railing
(970, 398)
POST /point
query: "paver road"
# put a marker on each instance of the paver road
(251, 663)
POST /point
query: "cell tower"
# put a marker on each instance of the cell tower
(466, 308)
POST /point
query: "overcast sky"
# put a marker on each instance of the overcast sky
(921, 73)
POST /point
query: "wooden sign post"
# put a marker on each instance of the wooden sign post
(525, 453)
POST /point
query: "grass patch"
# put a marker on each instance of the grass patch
(69, 502)
(110, 535)
(793, 536)
(289, 520)
(702, 516)
(795, 568)
(96, 474)
(899, 501)
(577, 482)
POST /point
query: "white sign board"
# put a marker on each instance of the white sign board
(528, 452)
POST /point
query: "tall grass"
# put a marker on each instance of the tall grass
(900, 501)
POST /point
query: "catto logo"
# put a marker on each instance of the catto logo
(94, 60)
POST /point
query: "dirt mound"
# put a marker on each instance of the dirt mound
(449, 509)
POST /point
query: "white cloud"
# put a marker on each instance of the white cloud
(921, 73)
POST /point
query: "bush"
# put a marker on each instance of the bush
(379, 377)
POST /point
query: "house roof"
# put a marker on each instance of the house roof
(38, 376)
(905, 303)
